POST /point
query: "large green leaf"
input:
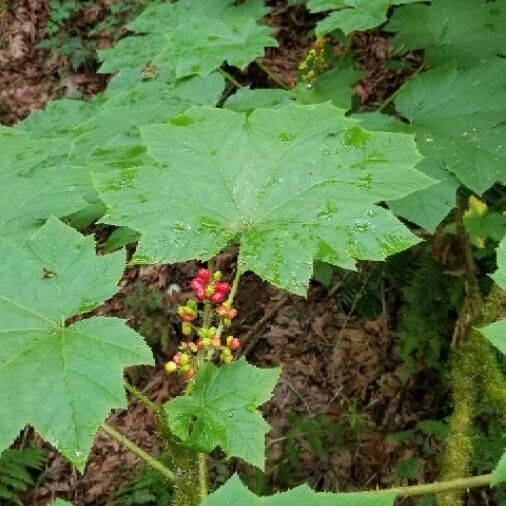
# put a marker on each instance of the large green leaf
(429, 206)
(496, 332)
(63, 378)
(289, 185)
(234, 493)
(458, 129)
(499, 475)
(91, 135)
(352, 15)
(31, 189)
(222, 410)
(465, 31)
(192, 37)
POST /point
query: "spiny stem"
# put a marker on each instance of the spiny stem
(272, 76)
(439, 486)
(204, 487)
(152, 406)
(228, 76)
(146, 457)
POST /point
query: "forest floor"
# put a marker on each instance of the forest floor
(342, 393)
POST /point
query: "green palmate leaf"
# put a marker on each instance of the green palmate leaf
(234, 493)
(288, 185)
(499, 475)
(222, 410)
(352, 15)
(92, 135)
(429, 206)
(333, 86)
(458, 129)
(465, 31)
(61, 378)
(496, 332)
(31, 190)
(192, 37)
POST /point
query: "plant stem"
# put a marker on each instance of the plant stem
(130, 445)
(440, 486)
(392, 97)
(225, 74)
(204, 487)
(152, 406)
(271, 75)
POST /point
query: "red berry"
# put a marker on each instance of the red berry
(200, 344)
(222, 287)
(187, 318)
(176, 359)
(204, 275)
(218, 297)
(234, 344)
(232, 313)
(196, 284)
(201, 294)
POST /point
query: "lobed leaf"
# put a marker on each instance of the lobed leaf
(63, 378)
(288, 185)
(352, 15)
(458, 129)
(31, 188)
(234, 492)
(192, 37)
(221, 410)
(76, 136)
(465, 31)
(496, 332)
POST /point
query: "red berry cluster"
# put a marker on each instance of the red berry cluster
(207, 286)
(202, 343)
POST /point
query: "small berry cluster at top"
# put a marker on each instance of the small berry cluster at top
(202, 343)
(315, 62)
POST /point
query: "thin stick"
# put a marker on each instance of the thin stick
(228, 76)
(271, 75)
(392, 97)
(130, 445)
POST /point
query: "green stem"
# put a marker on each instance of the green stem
(392, 97)
(130, 445)
(152, 406)
(440, 486)
(225, 74)
(204, 487)
(272, 76)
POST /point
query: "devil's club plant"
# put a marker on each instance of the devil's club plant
(285, 175)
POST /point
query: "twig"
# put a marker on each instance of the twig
(392, 97)
(228, 76)
(130, 445)
(271, 75)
